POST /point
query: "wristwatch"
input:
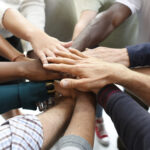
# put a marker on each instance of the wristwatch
(42, 106)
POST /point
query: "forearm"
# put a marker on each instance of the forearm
(19, 26)
(10, 71)
(101, 27)
(54, 121)
(129, 117)
(83, 118)
(7, 50)
(33, 11)
(137, 83)
(85, 17)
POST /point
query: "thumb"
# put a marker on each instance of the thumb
(69, 83)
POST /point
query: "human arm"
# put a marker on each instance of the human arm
(33, 11)
(85, 17)
(24, 95)
(128, 115)
(131, 56)
(9, 52)
(42, 44)
(93, 74)
(101, 26)
(32, 70)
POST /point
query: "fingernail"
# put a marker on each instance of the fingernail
(64, 83)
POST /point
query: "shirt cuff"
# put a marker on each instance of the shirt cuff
(31, 93)
(3, 8)
(139, 55)
(133, 7)
(104, 94)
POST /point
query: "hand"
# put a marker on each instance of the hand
(92, 73)
(34, 71)
(110, 55)
(64, 92)
(46, 46)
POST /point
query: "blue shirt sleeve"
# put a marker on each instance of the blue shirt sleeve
(131, 121)
(24, 95)
(139, 55)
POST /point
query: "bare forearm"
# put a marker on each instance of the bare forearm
(85, 17)
(137, 83)
(14, 22)
(101, 27)
(8, 51)
(10, 71)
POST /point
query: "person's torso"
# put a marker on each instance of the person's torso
(144, 22)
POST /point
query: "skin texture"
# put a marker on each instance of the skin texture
(57, 118)
(7, 50)
(93, 74)
(83, 120)
(32, 70)
(85, 18)
(42, 44)
(110, 55)
(101, 26)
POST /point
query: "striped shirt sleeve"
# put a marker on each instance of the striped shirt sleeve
(23, 132)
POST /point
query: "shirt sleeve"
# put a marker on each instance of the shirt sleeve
(3, 7)
(134, 5)
(24, 95)
(139, 55)
(83, 5)
(33, 11)
(131, 121)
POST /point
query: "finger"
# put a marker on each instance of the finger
(49, 53)
(79, 84)
(61, 48)
(61, 68)
(43, 58)
(68, 55)
(78, 53)
(61, 60)
(66, 44)
(59, 89)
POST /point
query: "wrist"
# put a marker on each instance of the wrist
(125, 57)
(124, 77)
(22, 68)
(33, 33)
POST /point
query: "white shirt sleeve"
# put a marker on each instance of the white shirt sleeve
(34, 11)
(134, 5)
(3, 7)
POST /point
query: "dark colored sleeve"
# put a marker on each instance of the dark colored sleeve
(24, 95)
(131, 121)
(139, 55)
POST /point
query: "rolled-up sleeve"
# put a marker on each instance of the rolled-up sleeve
(3, 7)
(133, 5)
